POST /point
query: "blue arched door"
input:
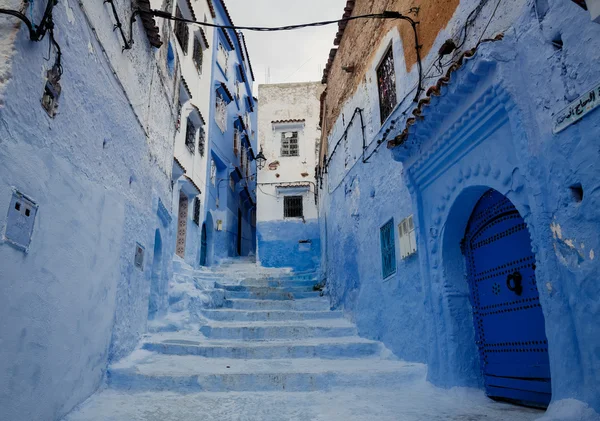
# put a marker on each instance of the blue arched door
(508, 318)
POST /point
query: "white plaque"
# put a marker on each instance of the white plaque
(577, 109)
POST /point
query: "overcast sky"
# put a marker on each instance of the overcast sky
(293, 56)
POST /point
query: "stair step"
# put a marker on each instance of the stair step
(268, 315)
(326, 348)
(265, 289)
(279, 330)
(270, 294)
(310, 304)
(145, 370)
(272, 283)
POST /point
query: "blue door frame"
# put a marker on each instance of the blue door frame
(203, 246)
(509, 323)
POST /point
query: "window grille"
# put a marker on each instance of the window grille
(190, 136)
(243, 160)
(236, 142)
(223, 57)
(386, 83)
(388, 249)
(237, 89)
(198, 54)
(247, 122)
(179, 109)
(201, 141)
(408, 241)
(213, 172)
(247, 166)
(292, 207)
(231, 182)
(197, 211)
(182, 32)
(289, 144)
(221, 113)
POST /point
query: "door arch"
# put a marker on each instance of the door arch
(507, 314)
(155, 277)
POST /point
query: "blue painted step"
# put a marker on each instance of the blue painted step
(274, 283)
(272, 294)
(145, 371)
(310, 304)
(231, 315)
(279, 330)
(262, 289)
(326, 348)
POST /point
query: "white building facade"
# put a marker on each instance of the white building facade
(287, 217)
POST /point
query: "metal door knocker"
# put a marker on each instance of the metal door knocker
(517, 279)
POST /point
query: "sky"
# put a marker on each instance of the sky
(293, 56)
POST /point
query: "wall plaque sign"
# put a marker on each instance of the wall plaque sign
(577, 109)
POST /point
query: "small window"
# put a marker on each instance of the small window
(243, 160)
(182, 32)
(231, 182)
(190, 136)
(198, 54)
(408, 242)
(289, 144)
(386, 84)
(388, 249)
(213, 172)
(292, 207)
(221, 113)
(223, 58)
(236, 142)
(201, 141)
(197, 211)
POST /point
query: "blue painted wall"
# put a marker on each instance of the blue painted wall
(279, 242)
(221, 200)
(496, 132)
(76, 299)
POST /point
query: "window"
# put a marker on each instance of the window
(386, 84)
(179, 108)
(247, 122)
(201, 141)
(182, 32)
(289, 144)
(198, 54)
(231, 182)
(247, 166)
(408, 242)
(292, 207)
(222, 57)
(243, 159)
(213, 172)
(236, 142)
(388, 249)
(237, 89)
(221, 113)
(190, 136)
(197, 211)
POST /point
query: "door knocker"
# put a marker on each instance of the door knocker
(516, 285)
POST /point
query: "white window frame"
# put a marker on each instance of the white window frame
(408, 239)
(223, 57)
(213, 172)
(221, 113)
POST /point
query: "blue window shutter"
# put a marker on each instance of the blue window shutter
(388, 249)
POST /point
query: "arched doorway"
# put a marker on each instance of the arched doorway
(203, 246)
(507, 314)
(155, 281)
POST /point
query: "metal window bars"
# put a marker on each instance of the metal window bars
(386, 84)
(289, 144)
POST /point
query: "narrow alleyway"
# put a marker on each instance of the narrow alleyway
(273, 351)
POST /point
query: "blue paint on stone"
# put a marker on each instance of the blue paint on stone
(289, 243)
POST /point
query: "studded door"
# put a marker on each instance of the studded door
(508, 318)
(182, 225)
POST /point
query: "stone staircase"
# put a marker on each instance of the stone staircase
(248, 330)
(273, 332)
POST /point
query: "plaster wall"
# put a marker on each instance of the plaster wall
(492, 128)
(292, 242)
(75, 300)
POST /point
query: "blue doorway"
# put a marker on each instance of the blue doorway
(507, 314)
(156, 275)
(203, 246)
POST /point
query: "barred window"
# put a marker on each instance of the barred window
(223, 57)
(201, 141)
(190, 136)
(213, 172)
(182, 32)
(289, 144)
(292, 207)
(221, 113)
(243, 159)
(198, 54)
(386, 84)
(236, 142)
(197, 211)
